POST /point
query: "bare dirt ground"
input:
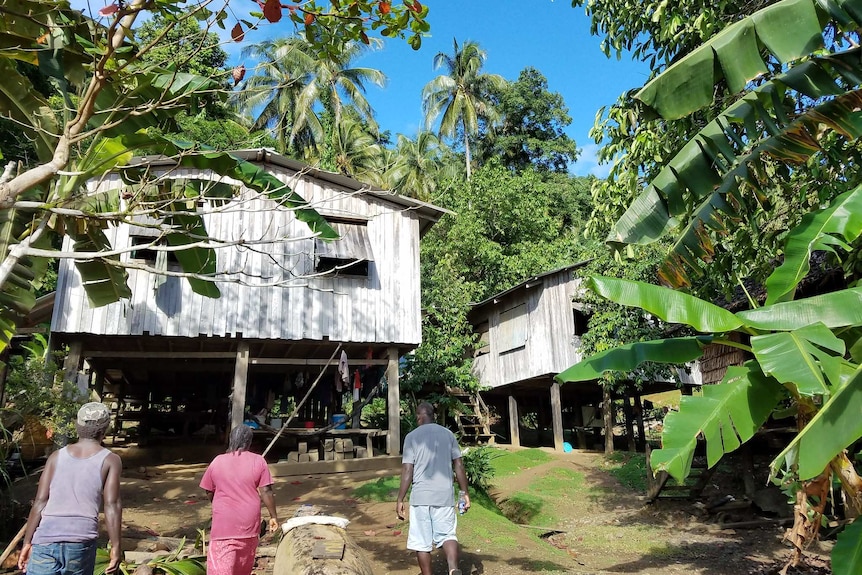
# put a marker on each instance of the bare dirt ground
(601, 527)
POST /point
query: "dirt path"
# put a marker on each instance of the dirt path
(602, 527)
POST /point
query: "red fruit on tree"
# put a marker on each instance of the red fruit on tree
(309, 19)
(417, 7)
(384, 7)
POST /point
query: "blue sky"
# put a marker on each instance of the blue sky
(549, 35)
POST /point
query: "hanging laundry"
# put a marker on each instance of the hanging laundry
(357, 385)
(300, 380)
(343, 371)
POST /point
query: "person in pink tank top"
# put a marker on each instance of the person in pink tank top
(60, 536)
(236, 482)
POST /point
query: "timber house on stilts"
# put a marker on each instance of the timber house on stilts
(172, 362)
(527, 335)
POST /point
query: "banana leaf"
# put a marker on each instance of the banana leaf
(789, 29)
(726, 415)
(702, 182)
(835, 426)
(103, 281)
(847, 553)
(628, 357)
(19, 101)
(189, 228)
(835, 310)
(817, 231)
(224, 164)
(17, 294)
(799, 357)
(669, 305)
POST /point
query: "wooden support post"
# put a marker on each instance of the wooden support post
(73, 362)
(639, 418)
(557, 416)
(608, 417)
(630, 425)
(514, 425)
(240, 380)
(393, 403)
(98, 382)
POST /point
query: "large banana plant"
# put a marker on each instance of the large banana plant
(805, 352)
(793, 95)
(111, 99)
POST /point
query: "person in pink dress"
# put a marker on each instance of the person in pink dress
(236, 482)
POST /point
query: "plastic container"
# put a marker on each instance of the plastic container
(309, 425)
(340, 419)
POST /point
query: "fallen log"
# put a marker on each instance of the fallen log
(319, 550)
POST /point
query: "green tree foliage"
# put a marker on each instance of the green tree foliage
(638, 145)
(505, 227)
(769, 132)
(422, 166)
(187, 48)
(531, 127)
(508, 226)
(462, 97)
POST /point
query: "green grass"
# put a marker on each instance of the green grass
(538, 504)
(512, 462)
(629, 468)
(384, 489)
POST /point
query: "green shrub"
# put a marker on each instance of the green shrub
(477, 464)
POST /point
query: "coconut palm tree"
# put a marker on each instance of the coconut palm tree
(269, 97)
(462, 95)
(355, 151)
(420, 165)
(302, 94)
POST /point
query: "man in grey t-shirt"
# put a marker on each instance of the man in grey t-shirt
(430, 453)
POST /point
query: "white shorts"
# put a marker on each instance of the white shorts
(431, 526)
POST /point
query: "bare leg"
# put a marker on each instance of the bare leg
(451, 549)
(424, 559)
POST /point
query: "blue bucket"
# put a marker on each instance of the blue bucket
(340, 419)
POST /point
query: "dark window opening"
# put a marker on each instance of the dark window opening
(342, 267)
(349, 255)
(147, 254)
(581, 322)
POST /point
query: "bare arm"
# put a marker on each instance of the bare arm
(268, 498)
(112, 469)
(406, 482)
(461, 476)
(39, 502)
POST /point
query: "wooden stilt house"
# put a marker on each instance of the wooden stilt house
(173, 361)
(528, 334)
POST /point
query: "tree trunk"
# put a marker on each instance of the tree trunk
(467, 153)
(295, 553)
(608, 416)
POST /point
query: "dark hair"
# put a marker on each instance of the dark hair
(240, 438)
(427, 408)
